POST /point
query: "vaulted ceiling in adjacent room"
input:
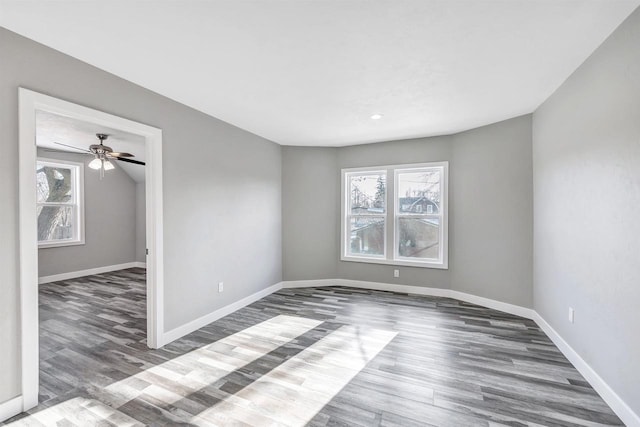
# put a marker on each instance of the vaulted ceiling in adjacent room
(60, 133)
(315, 72)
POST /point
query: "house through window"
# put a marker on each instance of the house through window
(59, 187)
(396, 215)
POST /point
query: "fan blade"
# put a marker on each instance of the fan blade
(117, 154)
(54, 150)
(71, 146)
(122, 159)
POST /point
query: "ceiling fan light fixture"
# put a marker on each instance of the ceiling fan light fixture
(95, 163)
(103, 154)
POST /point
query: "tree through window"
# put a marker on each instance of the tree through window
(58, 192)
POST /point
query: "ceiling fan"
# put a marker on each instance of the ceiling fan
(103, 154)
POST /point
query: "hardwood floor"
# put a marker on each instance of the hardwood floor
(316, 356)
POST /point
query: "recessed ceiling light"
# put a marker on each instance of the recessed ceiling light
(376, 116)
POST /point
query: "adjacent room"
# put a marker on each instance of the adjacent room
(91, 246)
(322, 213)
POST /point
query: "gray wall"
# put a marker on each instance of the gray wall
(310, 210)
(141, 223)
(110, 223)
(491, 199)
(586, 157)
(222, 186)
(490, 231)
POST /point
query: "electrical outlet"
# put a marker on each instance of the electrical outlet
(571, 314)
(396, 273)
(220, 286)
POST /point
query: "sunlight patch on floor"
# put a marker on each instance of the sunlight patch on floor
(179, 377)
(292, 393)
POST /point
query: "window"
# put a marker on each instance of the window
(59, 191)
(366, 214)
(396, 215)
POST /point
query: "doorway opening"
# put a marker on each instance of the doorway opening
(59, 175)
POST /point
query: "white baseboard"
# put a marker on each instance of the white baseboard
(516, 310)
(417, 290)
(89, 272)
(198, 323)
(619, 406)
(378, 286)
(405, 289)
(10, 408)
(313, 283)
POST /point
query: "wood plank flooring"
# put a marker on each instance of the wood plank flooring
(315, 356)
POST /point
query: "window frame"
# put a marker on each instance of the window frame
(392, 215)
(347, 216)
(77, 181)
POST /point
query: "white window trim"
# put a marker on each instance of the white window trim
(391, 239)
(346, 217)
(78, 177)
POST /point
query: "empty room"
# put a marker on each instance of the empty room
(322, 213)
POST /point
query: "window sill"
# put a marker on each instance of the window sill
(399, 263)
(60, 244)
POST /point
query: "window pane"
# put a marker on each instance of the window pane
(419, 192)
(366, 236)
(53, 184)
(419, 237)
(55, 223)
(367, 194)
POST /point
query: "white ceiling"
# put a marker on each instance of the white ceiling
(312, 72)
(52, 128)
